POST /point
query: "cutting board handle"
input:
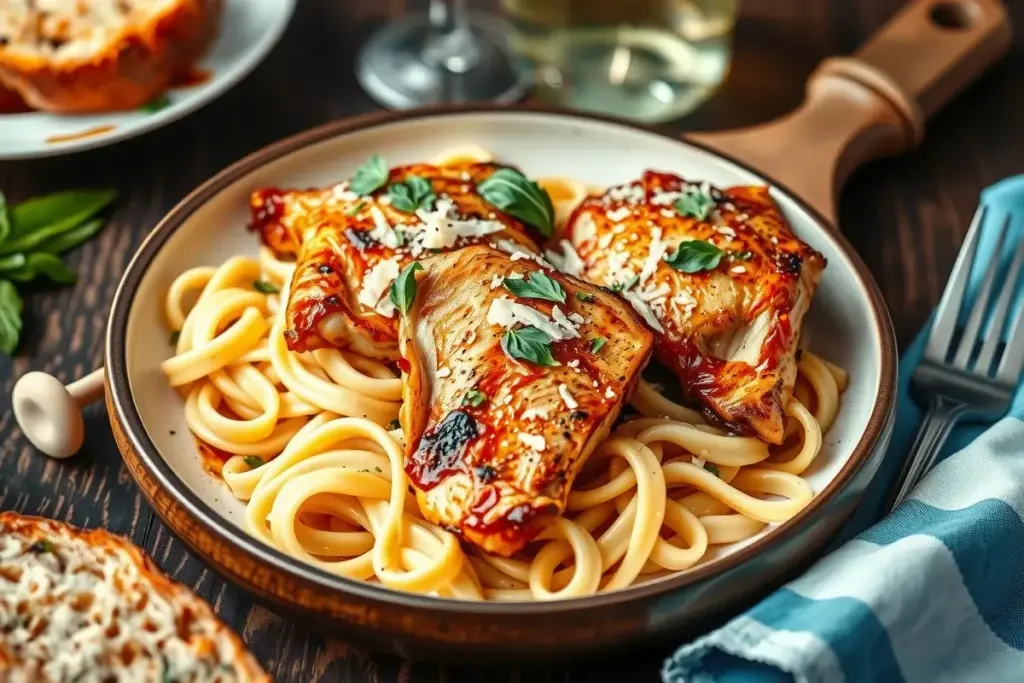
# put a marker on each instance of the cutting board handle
(874, 103)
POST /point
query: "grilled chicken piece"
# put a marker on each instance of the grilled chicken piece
(493, 443)
(349, 249)
(730, 333)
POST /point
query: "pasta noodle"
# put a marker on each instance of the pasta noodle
(322, 478)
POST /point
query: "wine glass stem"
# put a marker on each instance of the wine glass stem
(452, 44)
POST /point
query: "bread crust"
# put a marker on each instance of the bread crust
(136, 65)
(185, 602)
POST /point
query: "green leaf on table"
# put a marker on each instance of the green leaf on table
(694, 256)
(537, 285)
(43, 218)
(520, 197)
(72, 238)
(42, 263)
(529, 344)
(10, 317)
(5, 219)
(371, 176)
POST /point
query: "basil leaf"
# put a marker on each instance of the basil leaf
(5, 219)
(516, 195)
(694, 202)
(43, 263)
(371, 176)
(159, 102)
(37, 220)
(529, 344)
(585, 298)
(403, 289)
(11, 262)
(72, 238)
(627, 285)
(10, 317)
(537, 285)
(473, 398)
(694, 256)
(596, 343)
(265, 287)
(713, 469)
(253, 461)
(401, 198)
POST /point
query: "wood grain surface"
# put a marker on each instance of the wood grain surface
(906, 216)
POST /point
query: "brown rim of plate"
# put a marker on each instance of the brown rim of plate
(160, 471)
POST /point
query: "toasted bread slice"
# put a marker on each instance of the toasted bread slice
(90, 606)
(74, 56)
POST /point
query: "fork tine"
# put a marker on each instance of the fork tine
(1013, 355)
(979, 307)
(953, 296)
(1001, 312)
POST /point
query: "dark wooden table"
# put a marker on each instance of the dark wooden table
(906, 216)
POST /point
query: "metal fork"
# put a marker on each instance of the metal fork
(955, 378)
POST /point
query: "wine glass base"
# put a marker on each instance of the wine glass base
(392, 70)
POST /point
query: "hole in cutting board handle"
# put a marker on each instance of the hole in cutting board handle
(954, 15)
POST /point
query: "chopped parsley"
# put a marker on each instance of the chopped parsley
(585, 298)
(713, 469)
(355, 208)
(265, 287)
(627, 285)
(41, 546)
(597, 343)
(253, 462)
(473, 398)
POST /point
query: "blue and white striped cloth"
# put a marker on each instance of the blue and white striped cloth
(933, 593)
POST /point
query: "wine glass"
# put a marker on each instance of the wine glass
(449, 55)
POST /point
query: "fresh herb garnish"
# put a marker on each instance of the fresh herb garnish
(627, 285)
(175, 336)
(265, 287)
(414, 193)
(585, 298)
(473, 398)
(518, 196)
(694, 202)
(32, 236)
(371, 176)
(743, 255)
(403, 289)
(536, 285)
(253, 462)
(41, 546)
(713, 469)
(355, 208)
(694, 256)
(393, 425)
(529, 344)
(596, 343)
(159, 102)
(377, 469)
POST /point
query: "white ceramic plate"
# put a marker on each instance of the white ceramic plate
(841, 326)
(249, 28)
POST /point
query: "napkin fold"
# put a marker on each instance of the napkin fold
(932, 593)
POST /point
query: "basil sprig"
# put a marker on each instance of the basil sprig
(537, 285)
(371, 176)
(403, 289)
(694, 202)
(414, 193)
(33, 234)
(518, 196)
(529, 344)
(694, 256)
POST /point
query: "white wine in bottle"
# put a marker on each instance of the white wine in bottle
(648, 60)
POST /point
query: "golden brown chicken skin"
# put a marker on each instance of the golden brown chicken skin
(729, 332)
(494, 442)
(348, 248)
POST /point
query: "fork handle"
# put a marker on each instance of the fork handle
(943, 414)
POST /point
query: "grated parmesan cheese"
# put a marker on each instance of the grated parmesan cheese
(533, 441)
(505, 312)
(444, 372)
(567, 398)
(443, 227)
(569, 261)
(375, 283)
(535, 413)
(608, 393)
(641, 307)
